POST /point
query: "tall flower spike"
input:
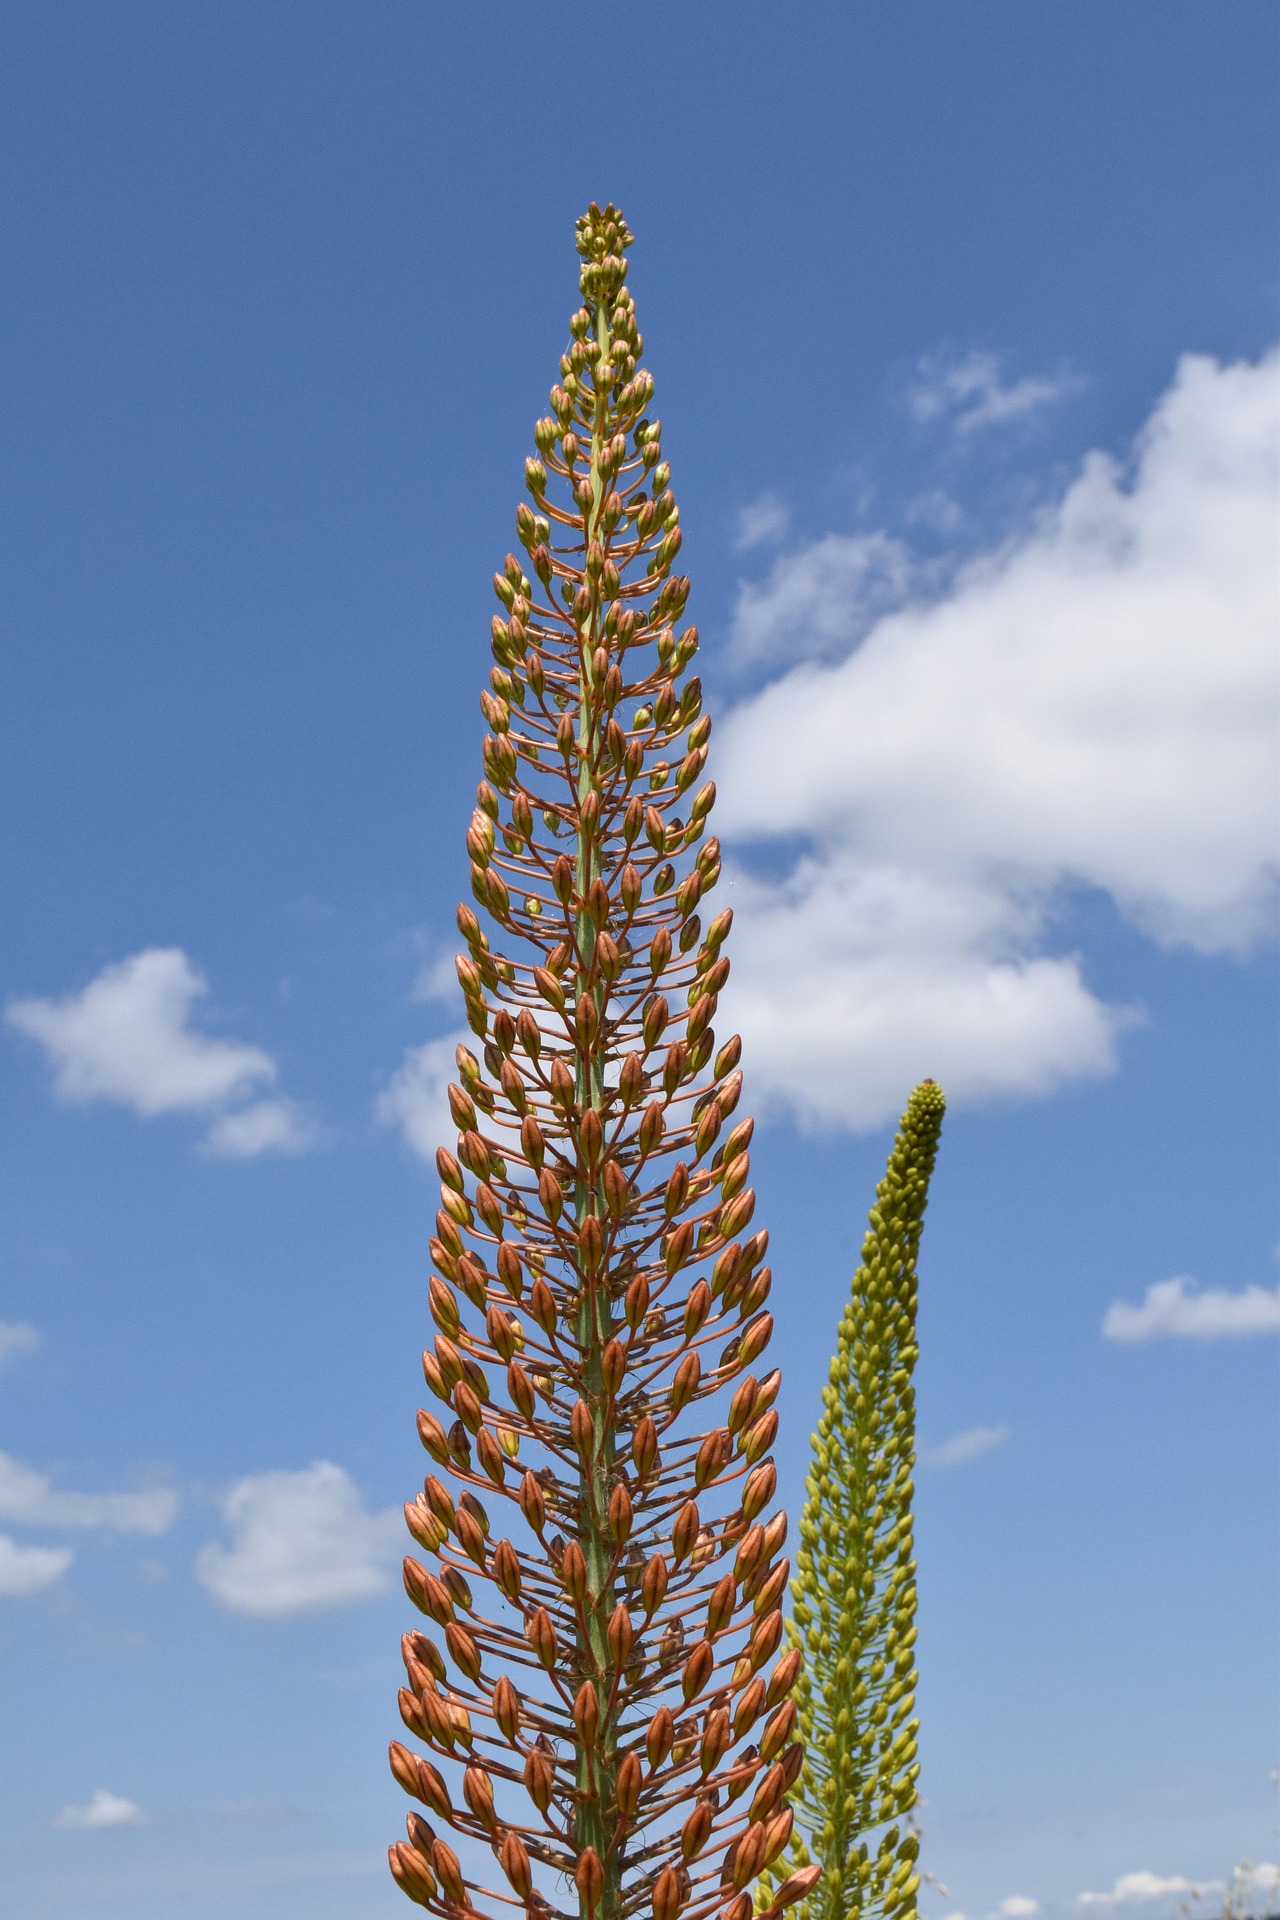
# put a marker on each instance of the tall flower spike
(854, 1595)
(604, 1576)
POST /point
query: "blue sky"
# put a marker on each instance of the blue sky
(963, 321)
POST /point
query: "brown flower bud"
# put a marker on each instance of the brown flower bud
(411, 1873)
(573, 1571)
(689, 1372)
(653, 1585)
(721, 1605)
(514, 1861)
(666, 1895)
(586, 1712)
(541, 1636)
(765, 1636)
(628, 1785)
(697, 1670)
(588, 1877)
(659, 1738)
(477, 1791)
(432, 1436)
(783, 1677)
(620, 1515)
(772, 1589)
(684, 1533)
(636, 1306)
(532, 1504)
(798, 1886)
(644, 1447)
(759, 1490)
(582, 1428)
(539, 1780)
(619, 1635)
(716, 1740)
(506, 1707)
(694, 1832)
(749, 1707)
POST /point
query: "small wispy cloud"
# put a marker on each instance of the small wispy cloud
(31, 1499)
(26, 1570)
(761, 521)
(1171, 1311)
(963, 1447)
(103, 1810)
(129, 1038)
(971, 390)
(16, 1336)
(416, 1098)
(1132, 1888)
(1019, 1906)
(300, 1542)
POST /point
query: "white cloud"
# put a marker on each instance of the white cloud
(762, 520)
(819, 600)
(127, 1037)
(969, 389)
(17, 1337)
(963, 1447)
(268, 1126)
(104, 1810)
(416, 1098)
(299, 1542)
(1018, 1906)
(1170, 1312)
(31, 1499)
(1133, 1887)
(29, 1569)
(1091, 707)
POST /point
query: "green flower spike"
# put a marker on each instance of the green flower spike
(854, 1594)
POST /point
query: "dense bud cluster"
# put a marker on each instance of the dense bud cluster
(854, 1605)
(603, 1715)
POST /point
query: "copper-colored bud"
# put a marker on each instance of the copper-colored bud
(627, 1791)
(759, 1490)
(514, 1860)
(541, 1636)
(684, 1533)
(783, 1677)
(716, 1740)
(772, 1590)
(653, 1584)
(763, 1643)
(694, 1832)
(619, 1634)
(506, 1707)
(586, 1712)
(721, 1604)
(432, 1436)
(573, 1572)
(798, 1886)
(750, 1855)
(477, 1791)
(613, 1363)
(780, 1727)
(538, 1779)
(749, 1707)
(697, 1670)
(491, 1457)
(411, 1873)
(588, 1877)
(471, 1539)
(659, 1737)
(449, 1870)
(532, 1504)
(620, 1515)
(689, 1373)
(582, 1428)
(506, 1570)
(666, 1895)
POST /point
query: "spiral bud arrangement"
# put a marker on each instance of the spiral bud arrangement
(854, 1595)
(603, 1580)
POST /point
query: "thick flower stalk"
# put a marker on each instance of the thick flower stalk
(854, 1595)
(601, 1571)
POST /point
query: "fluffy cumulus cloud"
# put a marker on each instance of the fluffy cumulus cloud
(16, 1336)
(102, 1811)
(1092, 707)
(26, 1570)
(128, 1037)
(961, 1448)
(1019, 1906)
(1132, 1888)
(416, 1098)
(1173, 1311)
(300, 1542)
(31, 1499)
